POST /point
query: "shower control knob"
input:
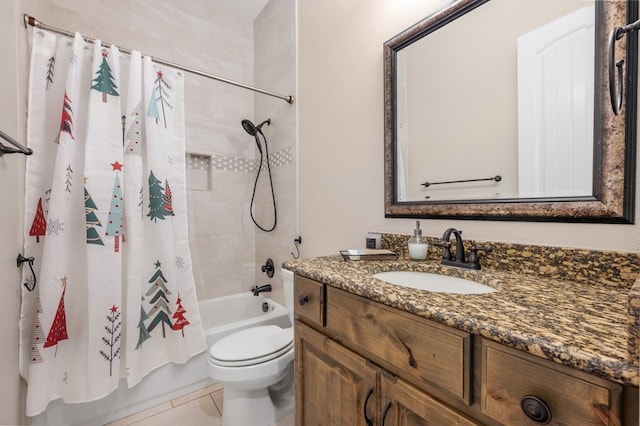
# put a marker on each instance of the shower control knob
(303, 299)
(268, 268)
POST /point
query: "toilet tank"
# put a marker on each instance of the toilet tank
(287, 287)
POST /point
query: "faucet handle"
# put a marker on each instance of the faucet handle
(446, 254)
(442, 243)
(474, 260)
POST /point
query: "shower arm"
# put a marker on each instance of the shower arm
(31, 21)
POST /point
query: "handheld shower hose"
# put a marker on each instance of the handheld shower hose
(254, 131)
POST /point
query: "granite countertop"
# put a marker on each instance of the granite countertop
(577, 324)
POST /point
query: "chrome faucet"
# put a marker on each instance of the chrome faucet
(460, 259)
(263, 288)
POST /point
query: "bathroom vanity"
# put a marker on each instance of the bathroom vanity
(537, 351)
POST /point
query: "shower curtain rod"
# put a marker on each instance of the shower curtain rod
(19, 148)
(30, 20)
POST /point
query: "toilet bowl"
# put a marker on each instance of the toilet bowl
(255, 366)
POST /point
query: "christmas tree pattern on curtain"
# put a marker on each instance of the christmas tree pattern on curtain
(160, 95)
(94, 179)
(104, 81)
(181, 321)
(133, 136)
(39, 224)
(167, 199)
(66, 122)
(158, 292)
(144, 333)
(112, 340)
(91, 220)
(58, 330)
(37, 337)
(114, 225)
(160, 199)
(51, 66)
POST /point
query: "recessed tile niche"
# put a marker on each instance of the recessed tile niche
(199, 172)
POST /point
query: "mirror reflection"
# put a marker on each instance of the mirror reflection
(504, 105)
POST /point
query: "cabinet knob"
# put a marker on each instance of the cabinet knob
(536, 409)
(303, 299)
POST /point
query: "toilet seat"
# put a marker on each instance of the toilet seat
(251, 346)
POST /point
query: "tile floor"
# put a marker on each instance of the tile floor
(199, 408)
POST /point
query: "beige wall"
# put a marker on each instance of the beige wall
(340, 110)
(11, 192)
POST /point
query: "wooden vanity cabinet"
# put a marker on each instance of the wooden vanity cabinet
(336, 386)
(359, 362)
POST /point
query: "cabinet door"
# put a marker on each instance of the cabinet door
(405, 405)
(334, 386)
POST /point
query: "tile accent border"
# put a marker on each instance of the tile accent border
(238, 164)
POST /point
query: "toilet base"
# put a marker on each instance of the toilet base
(242, 407)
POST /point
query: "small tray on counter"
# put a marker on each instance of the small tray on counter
(368, 254)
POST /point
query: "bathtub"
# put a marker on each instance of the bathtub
(220, 317)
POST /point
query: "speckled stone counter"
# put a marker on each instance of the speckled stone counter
(583, 324)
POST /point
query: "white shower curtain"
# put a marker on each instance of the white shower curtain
(106, 221)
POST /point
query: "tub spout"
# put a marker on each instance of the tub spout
(256, 290)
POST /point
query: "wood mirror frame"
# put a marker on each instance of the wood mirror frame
(613, 199)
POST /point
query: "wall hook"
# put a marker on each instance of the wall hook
(296, 242)
(19, 261)
(616, 91)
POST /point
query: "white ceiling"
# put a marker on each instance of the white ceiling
(248, 9)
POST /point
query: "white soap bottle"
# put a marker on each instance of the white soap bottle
(418, 245)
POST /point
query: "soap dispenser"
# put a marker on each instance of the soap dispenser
(418, 244)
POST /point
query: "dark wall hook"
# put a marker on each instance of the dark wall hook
(616, 91)
(19, 261)
(296, 242)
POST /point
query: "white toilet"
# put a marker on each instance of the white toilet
(255, 366)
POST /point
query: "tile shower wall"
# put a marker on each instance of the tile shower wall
(220, 190)
(275, 69)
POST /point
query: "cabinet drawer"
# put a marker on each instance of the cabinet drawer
(509, 376)
(420, 351)
(308, 299)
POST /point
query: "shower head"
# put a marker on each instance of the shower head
(249, 127)
(253, 130)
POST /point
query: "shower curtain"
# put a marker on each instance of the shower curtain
(105, 220)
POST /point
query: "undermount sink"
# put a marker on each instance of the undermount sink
(434, 282)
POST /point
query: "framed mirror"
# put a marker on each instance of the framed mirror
(496, 118)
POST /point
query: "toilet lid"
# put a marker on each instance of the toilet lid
(252, 346)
